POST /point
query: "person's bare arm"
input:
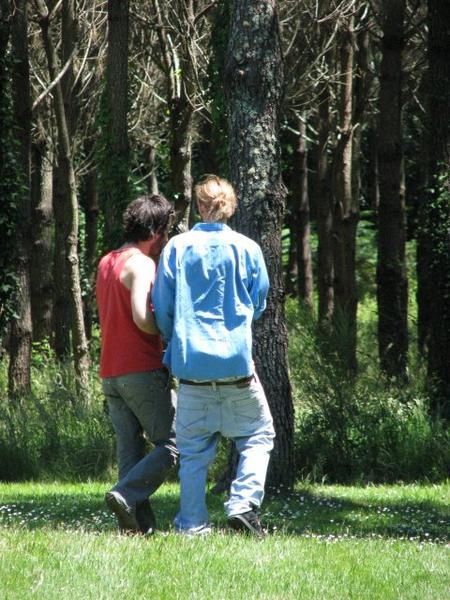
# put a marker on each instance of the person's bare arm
(138, 276)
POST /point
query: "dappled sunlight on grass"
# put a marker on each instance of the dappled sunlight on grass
(330, 513)
(334, 512)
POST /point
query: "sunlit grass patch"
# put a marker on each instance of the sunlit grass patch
(58, 541)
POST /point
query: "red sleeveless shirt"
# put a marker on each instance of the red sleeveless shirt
(124, 348)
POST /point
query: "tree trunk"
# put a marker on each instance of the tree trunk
(152, 185)
(392, 284)
(8, 176)
(346, 213)
(373, 187)
(61, 194)
(325, 270)
(254, 72)
(361, 96)
(115, 163)
(181, 115)
(21, 327)
(61, 308)
(301, 205)
(42, 227)
(435, 227)
(90, 206)
(79, 341)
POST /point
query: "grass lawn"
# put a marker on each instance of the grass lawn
(58, 541)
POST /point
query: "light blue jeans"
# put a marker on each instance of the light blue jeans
(142, 403)
(238, 412)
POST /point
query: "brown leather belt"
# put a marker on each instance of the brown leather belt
(243, 381)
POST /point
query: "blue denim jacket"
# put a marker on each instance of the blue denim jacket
(210, 284)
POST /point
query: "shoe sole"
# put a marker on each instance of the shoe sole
(127, 521)
(240, 523)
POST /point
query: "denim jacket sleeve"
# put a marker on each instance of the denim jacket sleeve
(163, 294)
(259, 283)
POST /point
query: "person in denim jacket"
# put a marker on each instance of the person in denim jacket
(210, 285)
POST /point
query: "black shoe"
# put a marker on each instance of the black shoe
(146, 518)
(126, 514)
(248, 522)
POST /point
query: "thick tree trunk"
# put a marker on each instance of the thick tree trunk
(435, 227)
(254, 73)
(79, 341)
(115, 189)
(21, 327)
(346, 213)
(392, 284)
(41, 234)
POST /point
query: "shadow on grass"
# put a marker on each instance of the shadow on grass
(305, 513)
(325, 514)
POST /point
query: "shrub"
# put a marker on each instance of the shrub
(362, 428)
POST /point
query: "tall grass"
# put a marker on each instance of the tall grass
(364, 428)
(50, 433)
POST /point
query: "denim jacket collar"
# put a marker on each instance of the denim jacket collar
(211, 227)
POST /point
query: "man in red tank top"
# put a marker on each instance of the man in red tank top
(135, 383)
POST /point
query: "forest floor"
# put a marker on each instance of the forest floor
(58, 541)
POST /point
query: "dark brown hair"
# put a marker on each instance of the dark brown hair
(146, 216)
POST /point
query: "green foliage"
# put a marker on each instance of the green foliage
(50, 433)
(363, 428)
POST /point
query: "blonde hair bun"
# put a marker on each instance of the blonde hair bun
(216, 198)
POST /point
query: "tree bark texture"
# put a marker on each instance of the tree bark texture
(19, 381)
(41, 239)
(115, 190)
(254, 72)
(79, 341)
(392, 283)
(346, 212)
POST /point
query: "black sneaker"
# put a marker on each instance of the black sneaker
(248, 522)
(146, 518)
(126, 514)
